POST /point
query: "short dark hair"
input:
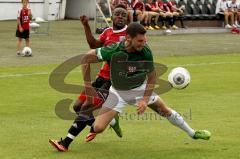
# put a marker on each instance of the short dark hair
(120, 6)
(134, 29)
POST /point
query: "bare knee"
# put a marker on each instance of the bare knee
(98, 128)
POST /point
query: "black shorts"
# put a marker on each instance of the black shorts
(22, 35)
(101, 83)
(102, 87)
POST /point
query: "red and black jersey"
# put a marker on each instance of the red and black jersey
(150, 6)
(139, 6)
(23, 16)
(108, 37)
(126, 3)
(161, 5)
(170, 5)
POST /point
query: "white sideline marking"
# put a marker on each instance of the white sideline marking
(184, 65)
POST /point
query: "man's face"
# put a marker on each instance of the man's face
(137, 42)
(25, 3)
(120, 18)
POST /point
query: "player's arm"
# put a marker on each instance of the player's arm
(19, 21)
(86, 60)
(92, 42)
(151, 80)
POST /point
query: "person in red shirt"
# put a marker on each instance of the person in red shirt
(140, 11)
(164, 6)
(102, 83)
(176, 12)
(162, 11)
(23, 20)
(153, 11)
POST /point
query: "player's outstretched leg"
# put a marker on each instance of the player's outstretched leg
(176, 119)
(83, 119)
(114, 124)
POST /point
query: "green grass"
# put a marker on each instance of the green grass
(27, 105)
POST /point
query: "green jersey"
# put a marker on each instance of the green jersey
(127, 70)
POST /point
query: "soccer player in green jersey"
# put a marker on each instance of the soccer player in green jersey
(133, 79)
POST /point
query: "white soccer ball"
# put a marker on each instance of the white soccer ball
(27, 51)
(179, 78)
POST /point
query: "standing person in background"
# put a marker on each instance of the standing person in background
(23, 27)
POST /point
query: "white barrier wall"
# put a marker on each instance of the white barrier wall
(75, 8)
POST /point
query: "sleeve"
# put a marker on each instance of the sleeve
(105, 53)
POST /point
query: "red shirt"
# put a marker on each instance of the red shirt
(23, 16)
(150, 6)
(162, 5)
(170, 5)
(110, 36)
(139, 6)
(124, 2)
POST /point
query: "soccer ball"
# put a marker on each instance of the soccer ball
(179, 78)
(27, 51)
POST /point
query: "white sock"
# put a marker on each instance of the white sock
(113, 122)
(177, 120)
(70, 136)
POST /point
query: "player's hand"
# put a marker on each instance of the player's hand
(21, 29)
(84, 19)
(141, 106)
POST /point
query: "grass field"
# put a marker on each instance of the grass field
(27, 105)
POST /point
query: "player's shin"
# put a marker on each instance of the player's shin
(177, 120)
(79, 124)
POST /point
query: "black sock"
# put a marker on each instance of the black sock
(91, 120)
(79, 124)
(92, 129)
(66, 142)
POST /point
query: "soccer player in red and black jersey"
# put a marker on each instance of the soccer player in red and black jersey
(101, 84)
(23, 27)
